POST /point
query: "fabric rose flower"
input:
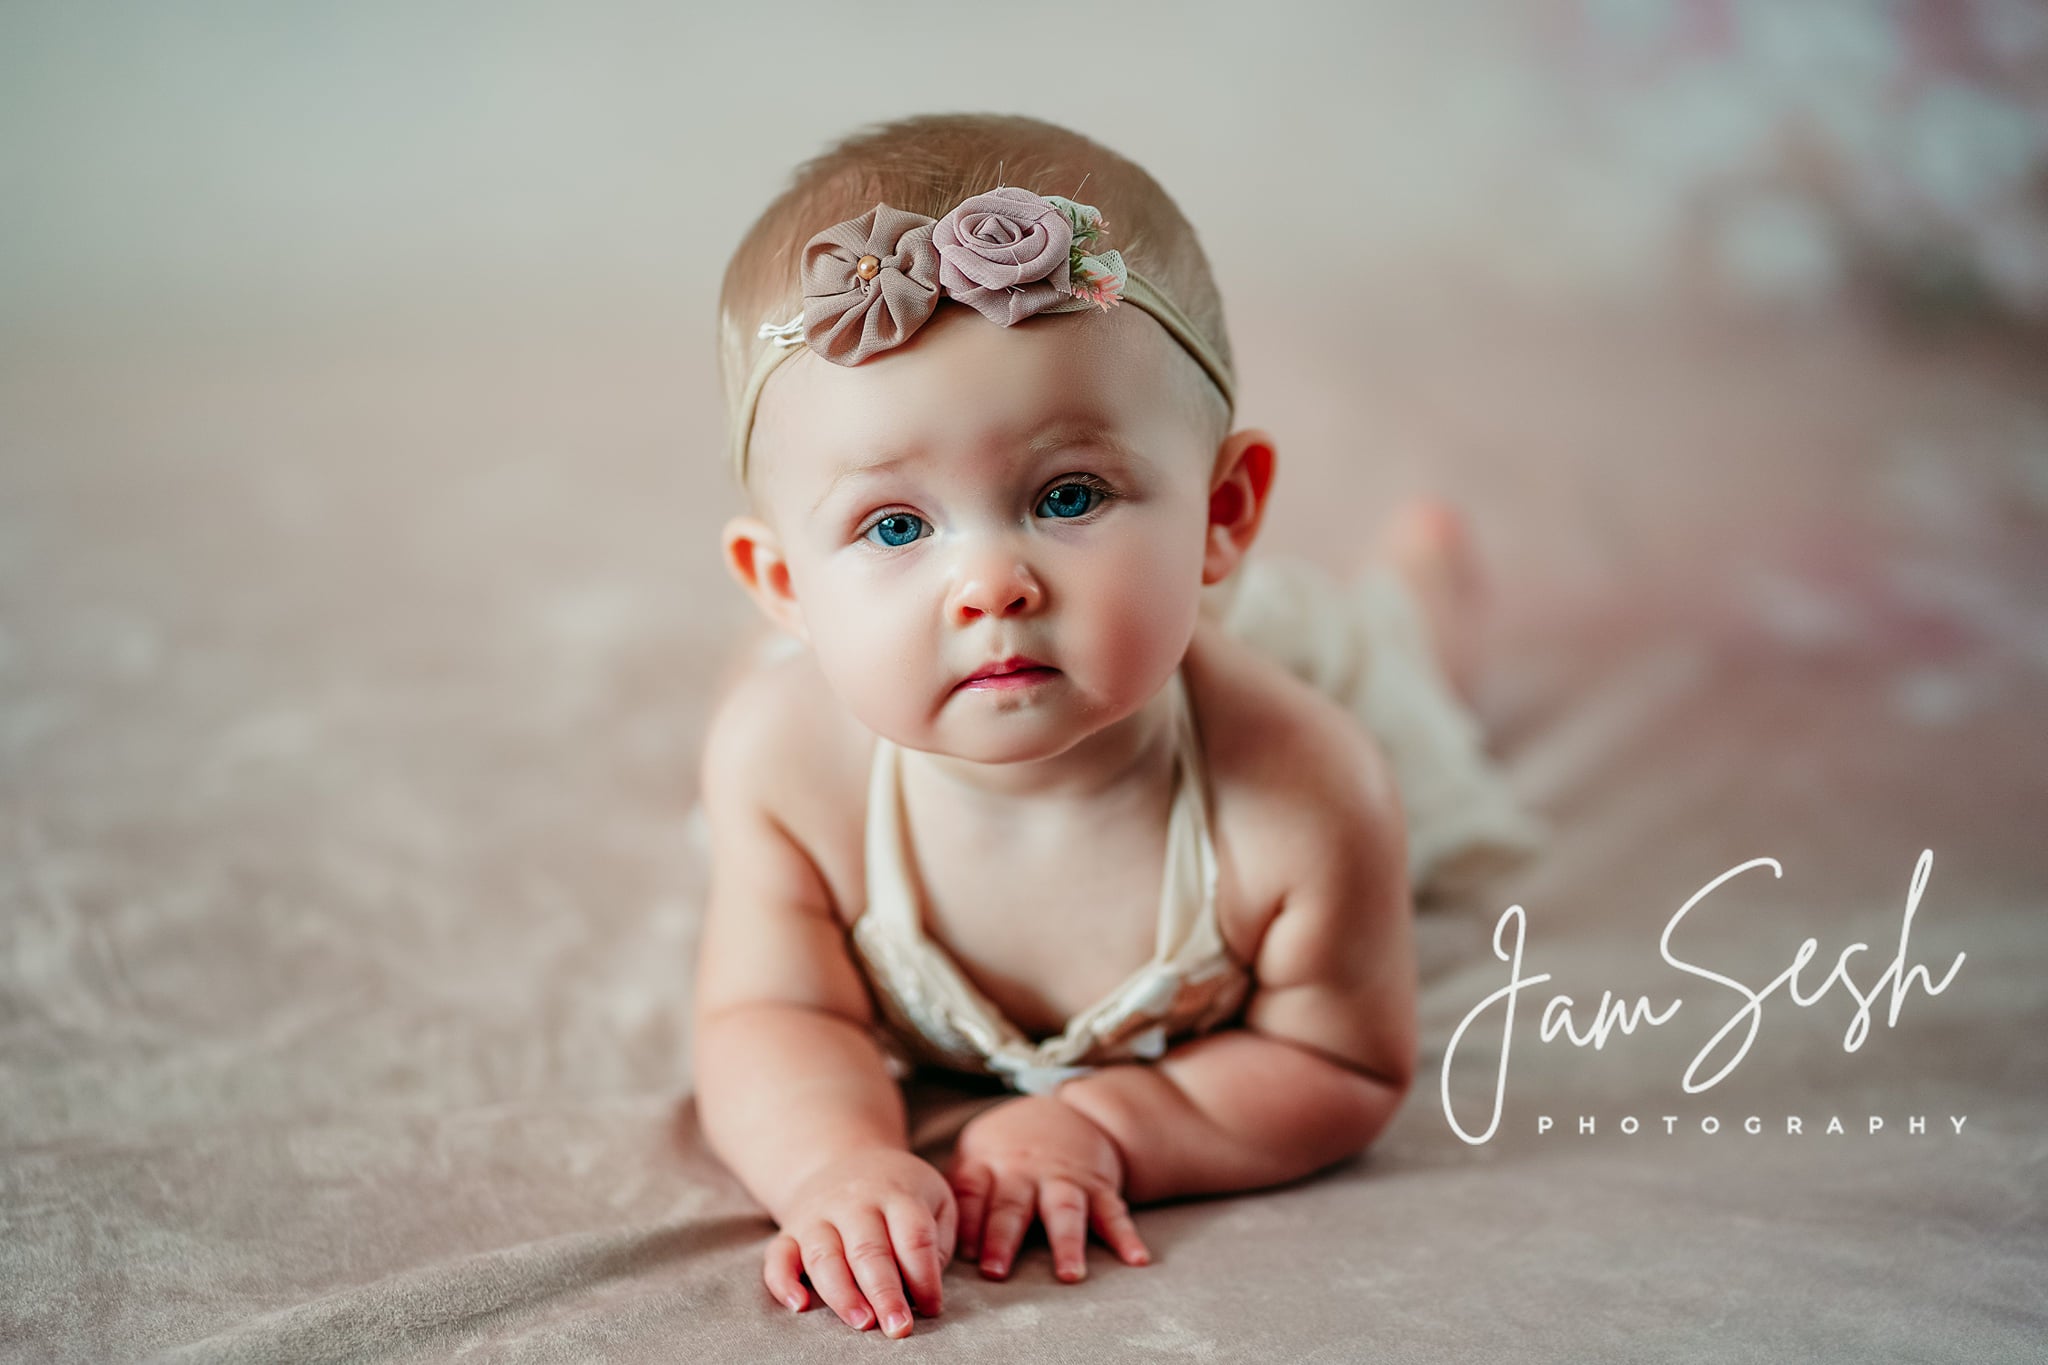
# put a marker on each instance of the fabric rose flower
(1005, 254)
(868, 283)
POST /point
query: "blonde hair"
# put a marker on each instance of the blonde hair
(929, 163)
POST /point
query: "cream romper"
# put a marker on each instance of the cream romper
(1364, 644)
(936, 1015)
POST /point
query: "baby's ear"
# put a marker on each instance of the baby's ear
(753, 554)
(1237, 501)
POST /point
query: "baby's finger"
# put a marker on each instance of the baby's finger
(783, 1272)
(916, 1239)
(949, 1228)
(1113, 1224)
(825, 1259)
(1010, 1206)
(873, 1258)
(1063, 1208)
(970, 1188)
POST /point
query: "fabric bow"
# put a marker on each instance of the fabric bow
(870, 282)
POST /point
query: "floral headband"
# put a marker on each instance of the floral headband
(870, 282)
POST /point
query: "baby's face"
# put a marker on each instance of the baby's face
(982, 492)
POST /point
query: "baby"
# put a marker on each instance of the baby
(1050, 784)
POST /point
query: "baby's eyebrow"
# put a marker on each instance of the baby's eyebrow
(853, 470)
(1060, 433)
(1056, 434)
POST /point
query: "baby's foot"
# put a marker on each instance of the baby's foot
(1428, 543)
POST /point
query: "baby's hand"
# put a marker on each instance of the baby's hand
(852, 1224)
(1038, 1153)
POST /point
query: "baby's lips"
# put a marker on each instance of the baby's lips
(1013, 663)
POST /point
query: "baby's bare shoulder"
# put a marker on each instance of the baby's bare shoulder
(1293, 776)
(1316, 824)
(772, 929)
(779, 739)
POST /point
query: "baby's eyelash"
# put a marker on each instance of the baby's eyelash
(1104, 492)
(1087, 480)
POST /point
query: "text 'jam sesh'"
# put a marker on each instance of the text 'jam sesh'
(1511, 932)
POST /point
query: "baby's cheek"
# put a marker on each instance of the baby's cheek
(1142, 606)
(874, 660)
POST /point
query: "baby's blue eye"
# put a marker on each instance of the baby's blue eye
(1075, 498)
(1070, 500)
(897, 529)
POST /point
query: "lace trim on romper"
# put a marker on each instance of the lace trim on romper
(936, 1015)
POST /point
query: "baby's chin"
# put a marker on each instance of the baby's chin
(997, 729)
(1002, 752)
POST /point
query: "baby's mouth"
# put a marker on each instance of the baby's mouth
(1017, 671)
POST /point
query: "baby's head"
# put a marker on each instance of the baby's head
(955, 490)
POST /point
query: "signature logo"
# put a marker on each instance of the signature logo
(1510, 935)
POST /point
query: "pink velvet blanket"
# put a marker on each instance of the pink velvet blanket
(350, 703)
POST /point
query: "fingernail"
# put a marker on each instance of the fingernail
(1141, 1258)
(796, 1304)
(898, 1322)
(861, 1319)
(1071, 1272)
(996, 1268)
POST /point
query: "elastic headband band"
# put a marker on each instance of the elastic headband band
(870, 282)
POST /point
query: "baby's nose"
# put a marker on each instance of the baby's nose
(995, 585)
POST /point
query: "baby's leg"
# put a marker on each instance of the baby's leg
(1428, 542)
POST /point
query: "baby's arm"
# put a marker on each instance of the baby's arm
(792, 1092)
(1327, 1050)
